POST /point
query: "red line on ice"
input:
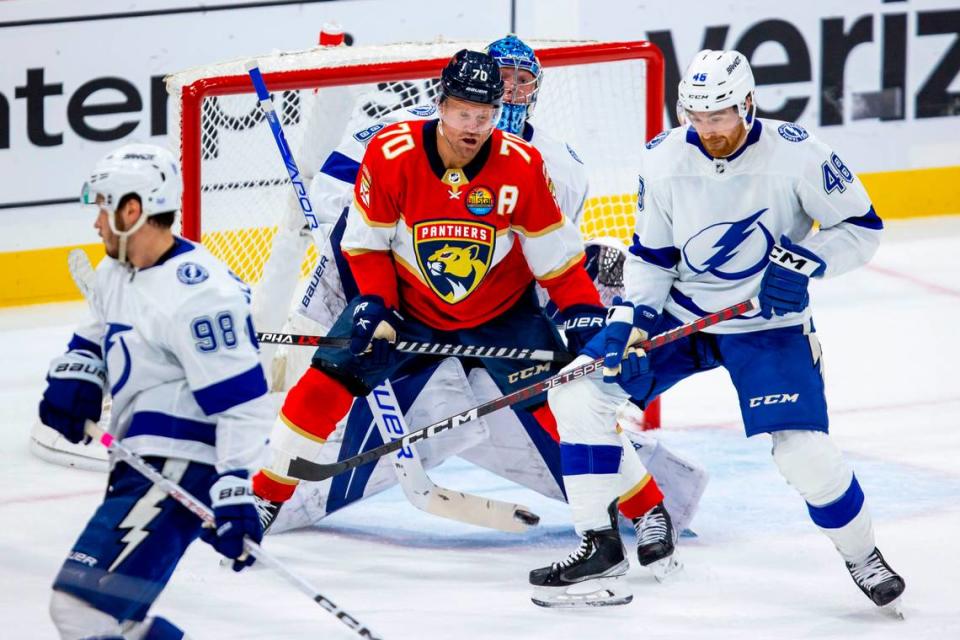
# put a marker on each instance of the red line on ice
(48, 497)
(929, 286)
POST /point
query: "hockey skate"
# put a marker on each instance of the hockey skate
(588, 577)
(267, 511)
(878, 582)
(656, 542)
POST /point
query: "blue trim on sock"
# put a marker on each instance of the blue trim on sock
(841, 511)
(584, 459)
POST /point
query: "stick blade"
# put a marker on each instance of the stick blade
(491, 514)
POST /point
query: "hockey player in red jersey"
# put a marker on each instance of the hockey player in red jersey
(453, 222)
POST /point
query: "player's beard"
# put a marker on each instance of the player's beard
(462, 152)
(721, 146)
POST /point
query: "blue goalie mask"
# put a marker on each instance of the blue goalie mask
(520, 89)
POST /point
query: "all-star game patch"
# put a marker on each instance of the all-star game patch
(454, 255)
(480, 201)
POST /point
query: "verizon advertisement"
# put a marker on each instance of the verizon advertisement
(879, 80)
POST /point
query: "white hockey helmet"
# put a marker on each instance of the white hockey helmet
(146, 170)
(714, 81)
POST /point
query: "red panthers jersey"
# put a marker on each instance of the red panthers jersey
(455, 248)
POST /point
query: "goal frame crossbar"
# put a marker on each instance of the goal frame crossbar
(193, 94)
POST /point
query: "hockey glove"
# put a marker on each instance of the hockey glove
(583, 321)
(784, 286)
(236, 517)
(374, 330)
(627, 325)
(74, 393)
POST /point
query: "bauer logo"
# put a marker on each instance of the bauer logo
(793, 132)
(453, 255)
(480, 201)
(191, 273)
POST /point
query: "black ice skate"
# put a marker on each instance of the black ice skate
(656, 542)
(267, 511)
(587, 577)
(878, 581)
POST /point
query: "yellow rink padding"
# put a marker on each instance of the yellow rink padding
(41, 275)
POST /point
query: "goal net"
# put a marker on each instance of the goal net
(605, 99)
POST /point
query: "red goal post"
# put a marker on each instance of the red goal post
(604, 98)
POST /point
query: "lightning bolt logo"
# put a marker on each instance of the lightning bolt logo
(728, 246)
(144, 511)
(136, 521)
(114, 328)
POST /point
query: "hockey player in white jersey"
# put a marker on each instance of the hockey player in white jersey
(171, 339)
(505, 443)
(726, 208)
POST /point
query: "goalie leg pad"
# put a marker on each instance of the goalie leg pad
(812, 464)
(681, 480)
(641, 491)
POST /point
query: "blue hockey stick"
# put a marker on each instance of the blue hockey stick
(296, 178)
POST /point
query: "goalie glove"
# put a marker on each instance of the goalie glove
(627, 325)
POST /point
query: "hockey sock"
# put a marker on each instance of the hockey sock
(310, 413)
(545, 418)
(645, 495)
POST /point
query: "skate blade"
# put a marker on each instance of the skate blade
(663, 569)
(601, 592)
(893, 609)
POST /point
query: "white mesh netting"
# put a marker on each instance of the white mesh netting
(598, 108)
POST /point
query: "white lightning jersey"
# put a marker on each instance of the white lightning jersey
(705, 226)
(182, 365)
(331, 189)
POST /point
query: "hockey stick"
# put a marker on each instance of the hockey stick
(296, 179)
(426, 348)
(423, 493)
(414, 467)
(202, 511)
(314, 472)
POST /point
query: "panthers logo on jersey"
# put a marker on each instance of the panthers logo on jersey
(453, 255)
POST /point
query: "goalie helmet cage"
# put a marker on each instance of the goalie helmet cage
(605, 99)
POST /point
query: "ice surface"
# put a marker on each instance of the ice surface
(758, 569)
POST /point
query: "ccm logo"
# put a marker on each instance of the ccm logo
(776, 398)
(527, 373)
(792, 261)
